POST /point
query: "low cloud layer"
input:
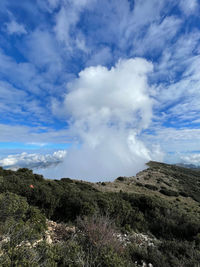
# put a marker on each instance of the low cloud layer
(32, 161)
(191, 159)
(108, 109)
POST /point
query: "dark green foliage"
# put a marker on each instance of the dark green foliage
(151, 187)
(12, 206)
(188, 179)
(148, 254)
(196, 196)
(167, 183)
(168, 254)
(139, 184)
(64, 200)
(14, 210)
(169, 193)
(121, 179)
(180, 253)
(159, 180)
(19, 223)
(161, 219)
(66, 180)
(183, 194)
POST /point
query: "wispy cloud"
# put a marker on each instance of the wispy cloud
(157, 36)
(189, 6)
(53, 3)
(13, 27)
(66, 21)
(36, 134)
(175, 141)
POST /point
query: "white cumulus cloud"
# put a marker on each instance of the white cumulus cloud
(119, 96)
(108, 109)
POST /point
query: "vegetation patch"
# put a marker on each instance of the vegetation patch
(109, 228)
(170, 193)
(151, 187)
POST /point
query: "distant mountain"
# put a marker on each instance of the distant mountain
(186, 165)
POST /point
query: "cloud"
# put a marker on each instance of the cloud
(11, 97)
(34, 134)
(108, 109)
(119, 95)
(13, 27)
(163, 32)
(53, 3)
(174, 142)
(43, 42)
(16, 102)
(101, 57)
(188, 6)
(79, 25)
(25, 86)
(178, 84)
(191, 159)
(32, 161)
(65, 28)
(23, 74)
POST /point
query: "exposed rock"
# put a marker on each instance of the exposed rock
(58, 232)
(143, 240)
(49, 239)
(143, 264)
(24, 243)
(37, 242)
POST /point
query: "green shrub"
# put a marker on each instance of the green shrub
(139, 184)
(170, 193)
(183, 194)
(180, 253)
(110, 258)
(151, 187)
(121, 179)
(148, 255)
(12, 206)
(19, 219)
(66, 180)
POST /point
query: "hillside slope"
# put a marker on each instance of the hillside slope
(152, 218)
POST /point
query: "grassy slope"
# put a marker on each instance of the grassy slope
(184, 181)
(150, 182)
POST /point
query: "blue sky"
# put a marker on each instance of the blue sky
(112, 83)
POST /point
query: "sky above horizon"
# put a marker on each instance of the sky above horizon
(94, 89)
